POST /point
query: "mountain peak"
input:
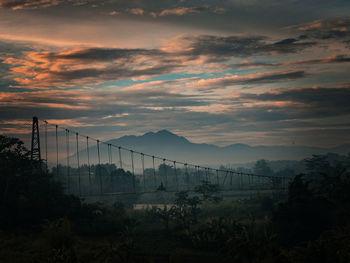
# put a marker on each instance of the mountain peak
(160, 132)
(165, 135)
(165, 132)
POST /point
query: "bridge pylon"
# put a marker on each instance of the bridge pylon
(35, 154)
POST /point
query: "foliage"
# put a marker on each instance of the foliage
(60, 238)
(186, 209)
(214, 234)
(261, 167)
(332, 246)
(120, 181)
(210, 192)
(184, 212)
(303, 216)
(58, 233)
(314, 206)
(330, 165)
(267, 204)
(248, 242)
(120, 247)
(27, 195)
(163, 214)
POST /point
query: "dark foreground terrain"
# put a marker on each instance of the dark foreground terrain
(308, 223)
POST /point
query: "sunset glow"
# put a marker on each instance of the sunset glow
(215, 71)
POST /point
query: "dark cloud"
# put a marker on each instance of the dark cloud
(329, 96)
(275, 76)
(80, 103)
(289, 45)
(304, 103)
(252, 64)
(8, 49)
(272, 113)
(4, 72)
(224, 48)
(32, 4)
(325, 60)
(107, 74)
(99, 54)
(150, 8)
(331, 59)
(258, 78)
(338, 28)
(15, 49)
(20, 4)
(217, 48)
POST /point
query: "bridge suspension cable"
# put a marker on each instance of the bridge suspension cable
(56, 133)
(88, 160)
(78, 161)
(181, 175)
(67, 148)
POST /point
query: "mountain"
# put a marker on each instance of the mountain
(164, 143)
(171, 146)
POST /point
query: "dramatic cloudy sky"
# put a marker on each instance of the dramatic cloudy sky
(260, 72)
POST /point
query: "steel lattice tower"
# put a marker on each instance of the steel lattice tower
(35, 152)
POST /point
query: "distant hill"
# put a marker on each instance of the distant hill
(171, 146)
(167, 144)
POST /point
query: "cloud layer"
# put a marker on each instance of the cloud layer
(214, 71)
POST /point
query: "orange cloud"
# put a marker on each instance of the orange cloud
(181, 11)
(33, 4)
(67, 68)
(22, 4)
(136, 11)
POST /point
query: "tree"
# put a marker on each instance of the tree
(209, 192)
(304, 216)
(261, 167)
(121, 180)
(28, 196)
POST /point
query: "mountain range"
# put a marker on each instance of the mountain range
(171, 146)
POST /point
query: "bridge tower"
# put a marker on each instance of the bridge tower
(35, 154)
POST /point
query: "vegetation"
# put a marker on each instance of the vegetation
(39, 223)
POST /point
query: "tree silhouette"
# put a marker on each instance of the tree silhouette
(28, 196)
(261, 167)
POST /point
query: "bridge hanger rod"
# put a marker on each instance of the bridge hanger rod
(172, 161)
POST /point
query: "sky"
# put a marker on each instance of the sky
(260, 72)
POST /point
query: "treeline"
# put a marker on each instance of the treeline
(108, 178)
(290, 168)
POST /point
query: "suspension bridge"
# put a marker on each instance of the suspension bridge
(90, 167)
